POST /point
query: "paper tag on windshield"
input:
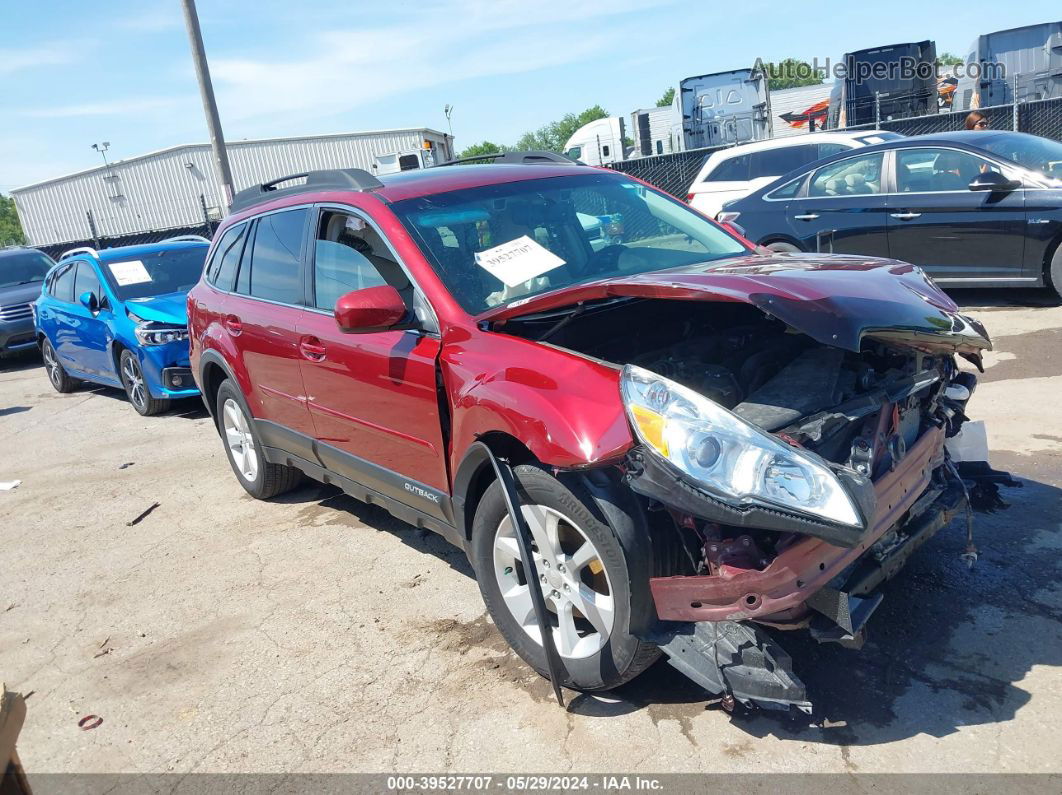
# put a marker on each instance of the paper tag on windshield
(517, 261)
(131, 272)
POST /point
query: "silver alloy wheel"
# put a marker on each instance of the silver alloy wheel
(576, 587)
(51, 364)
(134, 382)
(239, 439)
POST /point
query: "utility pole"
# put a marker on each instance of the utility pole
(210, 105)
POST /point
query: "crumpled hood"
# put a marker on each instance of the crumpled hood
(835, 299)
(168, 308)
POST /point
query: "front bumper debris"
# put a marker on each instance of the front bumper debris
(804, 567)
(737, 660)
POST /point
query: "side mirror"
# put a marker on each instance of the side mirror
(89, 301)
(371, 309)
(995, 182)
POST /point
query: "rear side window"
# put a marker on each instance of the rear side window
(63, 285)
(775, 162)
(222, 267)
(855, 176)
(86, 281)
(736, 169)
(273, 271)
(829, 150)
(787, 191)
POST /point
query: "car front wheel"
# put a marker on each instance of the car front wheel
(583, 576)
(136, 389)
(243, 447)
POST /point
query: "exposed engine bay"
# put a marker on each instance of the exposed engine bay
(877, 418)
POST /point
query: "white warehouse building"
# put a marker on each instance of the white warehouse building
(177, 188)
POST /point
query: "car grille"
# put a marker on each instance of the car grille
(15, 312)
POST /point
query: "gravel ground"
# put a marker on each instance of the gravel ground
(314, 633)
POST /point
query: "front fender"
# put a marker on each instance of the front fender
(566, 409)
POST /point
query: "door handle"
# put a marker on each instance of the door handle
(312, 348)
(233, 324)
(806, 217)
(905, 216)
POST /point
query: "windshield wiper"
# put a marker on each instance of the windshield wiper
(564, 321)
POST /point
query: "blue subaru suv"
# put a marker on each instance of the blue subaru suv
(117, 317)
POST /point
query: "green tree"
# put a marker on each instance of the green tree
(10, 227)
(483, 148)
(667, 99)
(790, 73)
(553, 136)
(948, 59)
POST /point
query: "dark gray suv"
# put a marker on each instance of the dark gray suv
(22, 271)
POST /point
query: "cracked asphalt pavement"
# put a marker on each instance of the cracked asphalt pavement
(314, 633)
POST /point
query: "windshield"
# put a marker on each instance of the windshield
(24, 267)
(1033, 152)
(495, 244)
(157, 273)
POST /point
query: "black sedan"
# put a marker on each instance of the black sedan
(972, 208)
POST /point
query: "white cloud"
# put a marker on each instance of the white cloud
(16, 59)
(115, 107)
(337, 70)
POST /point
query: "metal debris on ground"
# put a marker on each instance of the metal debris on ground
(127, 464)
(89, 722)
(143, 514)
(8, 485)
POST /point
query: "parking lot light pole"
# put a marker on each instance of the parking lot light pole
(210, 105)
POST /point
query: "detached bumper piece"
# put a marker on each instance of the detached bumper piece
(737, 660)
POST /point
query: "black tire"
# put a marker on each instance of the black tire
(57, 376)
(267, 480)
(136, 388)
(623, 656)
(1054, 271)
(781, 247)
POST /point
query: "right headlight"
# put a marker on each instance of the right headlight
(728, 457)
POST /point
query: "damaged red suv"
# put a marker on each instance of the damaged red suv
(712, 444)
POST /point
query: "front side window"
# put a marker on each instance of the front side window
(86, 281)
(856, 176)
(157, 273)
(63, 284)
(1032, 152)
(349, 254)
(273, 271)
(24, 267)
(933, 170)
(495, 244)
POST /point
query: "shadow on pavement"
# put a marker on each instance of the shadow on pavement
(1005, 297)
(948, 647)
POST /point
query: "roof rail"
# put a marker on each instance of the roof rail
(79, 250)
(517, 158)
(186, 239)
(336, 179)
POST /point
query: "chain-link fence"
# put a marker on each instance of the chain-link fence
(672, 173)
(56, 249)
(675, 172)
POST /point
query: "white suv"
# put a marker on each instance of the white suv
(732, 173)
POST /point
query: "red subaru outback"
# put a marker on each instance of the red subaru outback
(708, 439)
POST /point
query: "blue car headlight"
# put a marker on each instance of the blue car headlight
(151, 333)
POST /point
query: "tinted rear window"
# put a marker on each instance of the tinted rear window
(63, 286)
(226, 257)
(736, 169)
(775, 162)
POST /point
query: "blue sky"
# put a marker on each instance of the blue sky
(75, 72)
